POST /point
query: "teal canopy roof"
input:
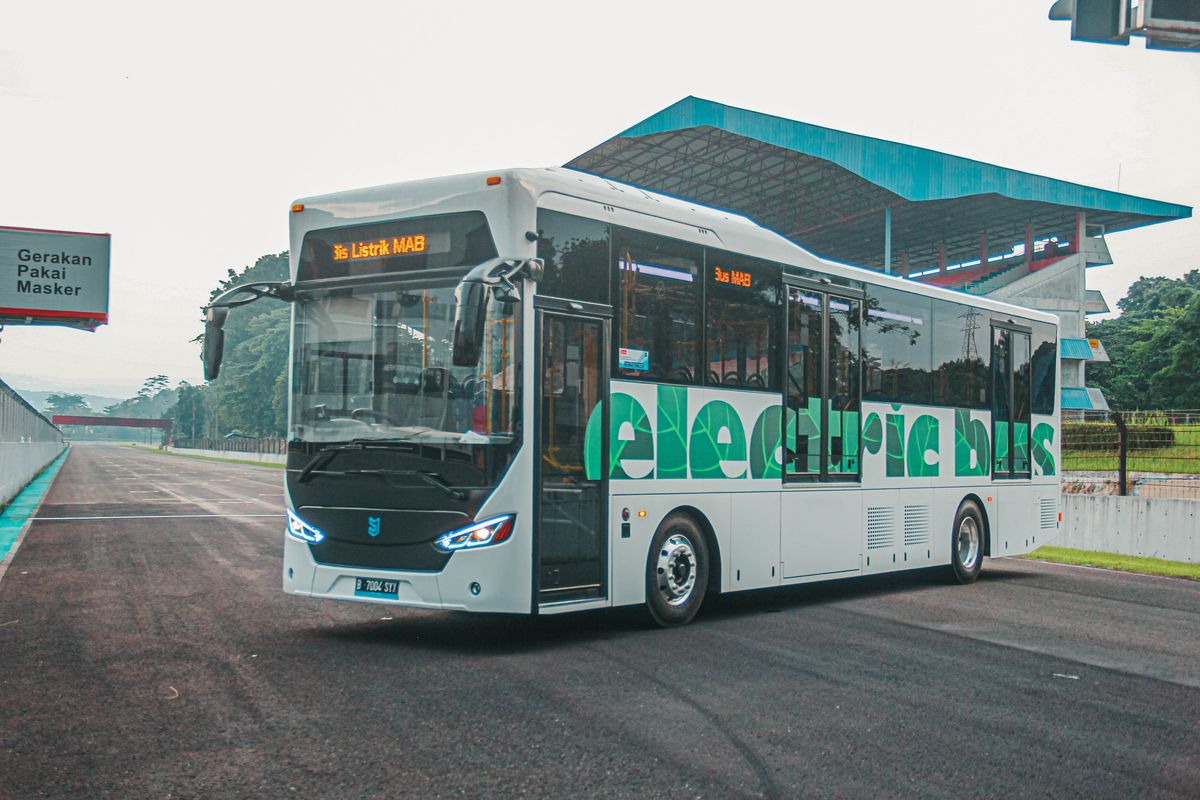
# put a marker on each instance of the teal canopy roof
(1075, 348)
(1076, 399)
(828, 190)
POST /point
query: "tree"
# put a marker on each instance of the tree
(1152, 345)
(67, 404)
(188, 416)
(251, 393)
(153, 385)
(1176, 382)
(150, 402)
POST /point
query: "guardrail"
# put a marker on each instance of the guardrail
(28, 442)
(270, 445)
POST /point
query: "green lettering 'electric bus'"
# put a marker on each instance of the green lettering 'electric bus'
(541, 391)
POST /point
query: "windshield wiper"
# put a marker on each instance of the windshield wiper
(322, 459)
(430, 478)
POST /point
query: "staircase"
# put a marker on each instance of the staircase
(1001, 277)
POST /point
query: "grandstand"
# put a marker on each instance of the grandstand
(929, 216)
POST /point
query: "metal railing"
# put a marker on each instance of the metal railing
(28, 442)
(273, 445)
(1143, 453)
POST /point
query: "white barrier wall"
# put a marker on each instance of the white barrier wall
(28, 442)
(1156, 527)
(230, 455)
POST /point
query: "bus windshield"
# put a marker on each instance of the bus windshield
(375, 363)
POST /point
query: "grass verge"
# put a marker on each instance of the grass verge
(1141, 564)
(210, 458)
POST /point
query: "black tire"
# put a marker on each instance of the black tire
(967, 543)
(678, 549)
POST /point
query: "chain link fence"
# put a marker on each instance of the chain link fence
(1142, 453)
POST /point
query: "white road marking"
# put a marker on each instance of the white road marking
(156, 516)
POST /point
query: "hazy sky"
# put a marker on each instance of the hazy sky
(185, 131)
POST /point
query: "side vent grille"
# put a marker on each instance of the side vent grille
(1048, 509)
(916, 525)
(881, 527)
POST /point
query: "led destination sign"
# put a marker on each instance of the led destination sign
(403, 245)
(395, 246)
(734, 277)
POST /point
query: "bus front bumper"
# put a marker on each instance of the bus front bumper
(469, 582)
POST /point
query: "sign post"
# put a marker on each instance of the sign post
(53, 277)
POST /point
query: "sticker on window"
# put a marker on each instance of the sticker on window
(631, 358)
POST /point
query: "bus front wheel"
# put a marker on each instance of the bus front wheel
(966, 543)
(676, 571)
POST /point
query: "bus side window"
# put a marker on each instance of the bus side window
(657, 322)
(1045, 364)
(575, 251)
(961, 356)
(742, 299)
(897, 347)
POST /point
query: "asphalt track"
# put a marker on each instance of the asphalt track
(146, 650)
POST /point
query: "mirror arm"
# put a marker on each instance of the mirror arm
(279, 290)
(218, 309)
(500, 271)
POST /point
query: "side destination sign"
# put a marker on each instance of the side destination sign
(54, 277)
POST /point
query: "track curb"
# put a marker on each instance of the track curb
(20, 513)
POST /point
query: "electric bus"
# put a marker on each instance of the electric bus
(541, 391)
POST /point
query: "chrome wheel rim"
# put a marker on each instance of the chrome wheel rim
(968, 543)
(676, 569)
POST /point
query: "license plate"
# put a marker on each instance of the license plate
(376, 587)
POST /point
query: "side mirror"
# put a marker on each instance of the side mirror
(494, 277)
(214, 340)
(218, 309)
(470, 318)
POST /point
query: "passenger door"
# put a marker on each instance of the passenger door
(822, 387)
(1011, 402)
(822, 447)
(571, 544)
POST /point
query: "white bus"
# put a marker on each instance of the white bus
(540, 391)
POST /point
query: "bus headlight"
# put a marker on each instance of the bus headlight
(299, 529)
(490, 531)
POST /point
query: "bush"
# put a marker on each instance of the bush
(1104, 436)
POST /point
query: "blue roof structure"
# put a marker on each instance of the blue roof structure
(1075, 348)
(1076, 399)
(829, 190)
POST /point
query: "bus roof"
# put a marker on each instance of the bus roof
(735, 231)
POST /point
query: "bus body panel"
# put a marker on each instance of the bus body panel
(766, 532)
(629, 555)
(754, 540)
(502, 573)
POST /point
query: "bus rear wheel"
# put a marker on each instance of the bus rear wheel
(966, 543)
(676, 571)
